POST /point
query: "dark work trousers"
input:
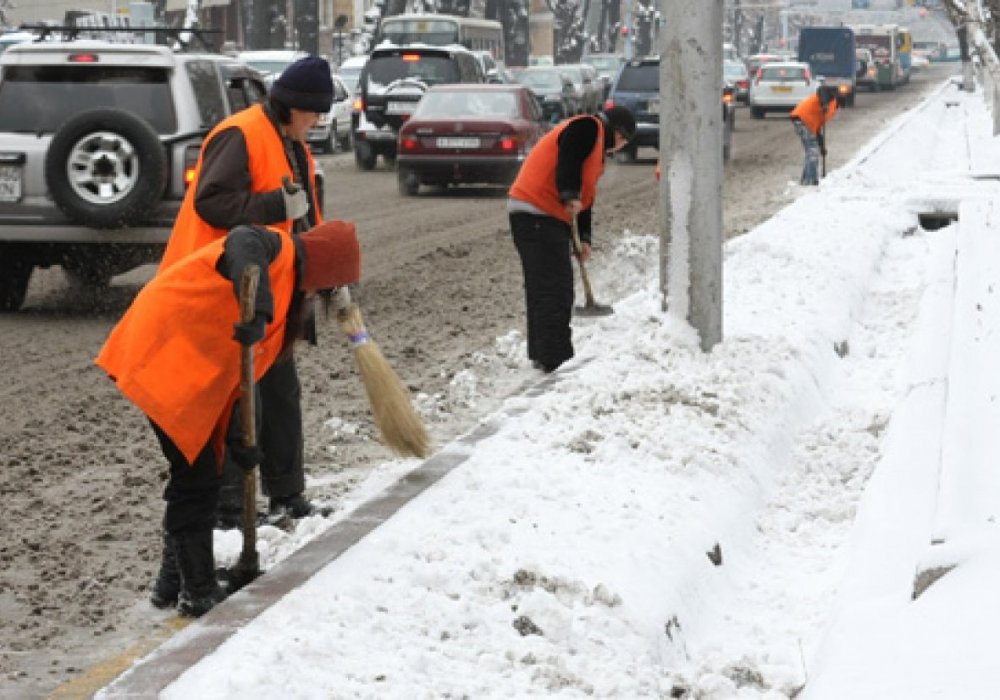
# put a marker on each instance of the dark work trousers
(543, 243)
(280, 439)
(193, 489)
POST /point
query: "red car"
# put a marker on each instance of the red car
(468, 133)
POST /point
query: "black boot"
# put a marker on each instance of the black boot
(168, 582)
(295, 506)
(200, 590)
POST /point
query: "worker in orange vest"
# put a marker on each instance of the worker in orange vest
(809, 118)
(176, 355)
(557, 186)
(239, 179)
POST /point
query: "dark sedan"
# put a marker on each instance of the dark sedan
(468, 134)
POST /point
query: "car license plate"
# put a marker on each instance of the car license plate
(653, 106)
(456, 142)
(10, 183)
(400, 107)
(781, 88)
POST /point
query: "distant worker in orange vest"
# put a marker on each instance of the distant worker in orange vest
(176, 354)
(556, 185)
(238, 180)
(810, 117)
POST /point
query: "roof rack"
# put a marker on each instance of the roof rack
(164, 35)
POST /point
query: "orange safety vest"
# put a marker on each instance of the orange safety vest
(268, 164)
(536, 183)
(173, 355)
(810, 112)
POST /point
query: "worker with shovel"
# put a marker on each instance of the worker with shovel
(240, 178)
(176, 354)
(809, 118)
(550, 207)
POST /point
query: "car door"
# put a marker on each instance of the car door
(341, 106)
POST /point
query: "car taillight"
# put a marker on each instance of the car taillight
(727, 97)
(807, 75)
(508, 143)
(190, 163)
(358, 105)
(843, 89)
(408, 143)
(608, 104)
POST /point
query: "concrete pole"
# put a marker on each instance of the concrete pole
(691, 159)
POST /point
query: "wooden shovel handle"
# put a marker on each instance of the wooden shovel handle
(248, 422)
(578, 249)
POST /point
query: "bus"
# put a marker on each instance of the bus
(883, 41)
(443, 30)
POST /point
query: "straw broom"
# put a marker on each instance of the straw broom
(400, 427)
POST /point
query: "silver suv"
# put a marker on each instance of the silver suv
(97, 140)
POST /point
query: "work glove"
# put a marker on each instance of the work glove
(296, 203)
(248, 334)
(246, 457)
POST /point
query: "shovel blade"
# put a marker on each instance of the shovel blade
(245, 571)
(593, 310)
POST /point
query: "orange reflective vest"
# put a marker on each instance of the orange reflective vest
(810, 112)
(536, 183)
(173, 355)
(268, 164)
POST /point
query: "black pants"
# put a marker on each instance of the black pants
(282, 471)
(544, 246)
(193, 489)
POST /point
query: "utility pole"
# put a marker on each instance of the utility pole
(690, 200)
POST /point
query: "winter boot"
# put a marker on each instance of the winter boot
(168, 582)
(200, 590)
(296, 506)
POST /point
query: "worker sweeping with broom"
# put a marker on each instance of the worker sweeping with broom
(552, 196)
(176, 354)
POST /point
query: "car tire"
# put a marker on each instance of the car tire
(15, 274)
(345, 141)
(106, 168)
(409, 183)
(364, 156)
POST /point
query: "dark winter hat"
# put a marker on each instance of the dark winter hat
(333, 256)
(621, 120)
(305, 85)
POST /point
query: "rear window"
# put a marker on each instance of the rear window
(39, 99)
(433, 70)
(501, 105)
(644, 78)
(540, 79)
(779, 74)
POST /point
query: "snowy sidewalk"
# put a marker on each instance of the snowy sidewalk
(658, 520)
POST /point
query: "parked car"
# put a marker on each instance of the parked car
(392, 83)
(468, 134)
(553, 89)
(637, 88)
(735, 73)
(779, 86)
(607, 66)
(97, 141)
(270, 63)
(350, 72)
(334, 127)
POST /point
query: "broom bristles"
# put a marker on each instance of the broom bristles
(398, 423)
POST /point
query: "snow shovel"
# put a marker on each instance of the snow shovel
(247, 567)
(822, 152)
(590, 307)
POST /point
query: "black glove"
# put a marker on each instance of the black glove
(250, 333)
(246, 457)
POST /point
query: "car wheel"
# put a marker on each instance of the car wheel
(364, 157)
(345, 141)
(106, 168)
(15, 274)
(627, 154)
(330, 145)
(409, 184)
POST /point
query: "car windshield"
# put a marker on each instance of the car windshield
(735, 70)
(38, 99)
(642, 78)
(540, 79)
(468, 103)
(603, 62)
(432, 70)
(782, 73)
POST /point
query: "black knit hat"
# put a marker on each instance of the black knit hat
(305, 85)
(621, 120)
